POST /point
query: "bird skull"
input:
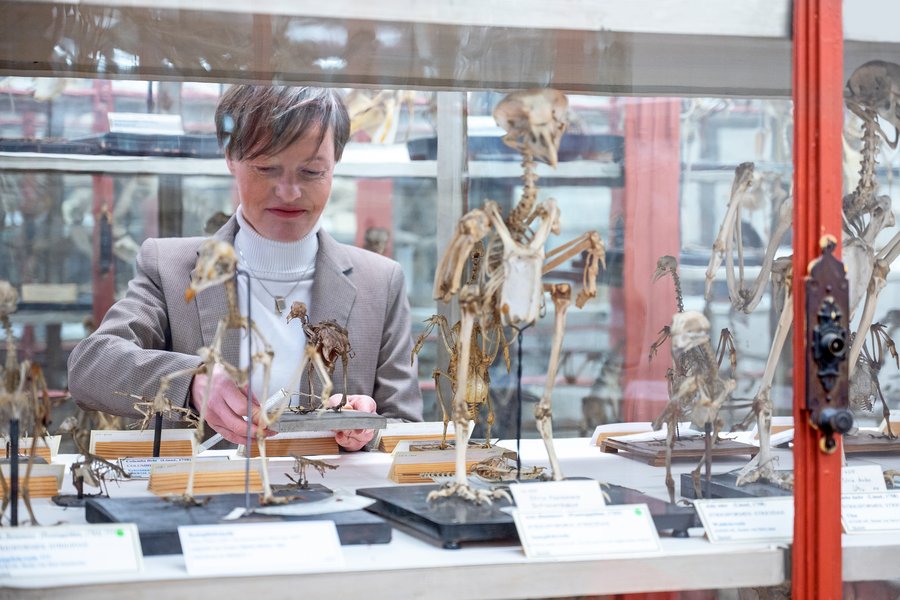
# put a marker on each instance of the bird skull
(534, 121)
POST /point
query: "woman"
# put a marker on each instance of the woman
(281, 145)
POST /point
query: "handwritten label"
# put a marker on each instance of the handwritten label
(862, 479)
(747, 520)
(261, 548)
(69, 549)
(871, 513)
(557, 496)
(612, 531)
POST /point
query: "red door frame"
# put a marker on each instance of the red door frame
(818, 116)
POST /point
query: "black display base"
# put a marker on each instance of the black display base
(452, 521)
(158, 519)
(70, 500)
(724, 485)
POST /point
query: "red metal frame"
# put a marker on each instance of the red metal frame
(652, 133)
(818, 115)
(103, 284)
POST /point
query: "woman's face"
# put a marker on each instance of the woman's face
(283, 195)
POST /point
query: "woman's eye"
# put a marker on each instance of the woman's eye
(310, 174)
(264, 170)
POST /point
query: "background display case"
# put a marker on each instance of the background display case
(667, 99)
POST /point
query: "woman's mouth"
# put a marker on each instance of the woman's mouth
(287, 212)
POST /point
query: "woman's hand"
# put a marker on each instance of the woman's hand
(354, 439)
(226, 406)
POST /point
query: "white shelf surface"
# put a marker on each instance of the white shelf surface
(478, 570)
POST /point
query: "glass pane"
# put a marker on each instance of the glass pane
(871, 165)
(676, 151)
(659, 217)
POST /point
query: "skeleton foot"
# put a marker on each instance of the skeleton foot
(765, 472)
(467, 493)
(187, 500)
(271, 499)
(503, 469)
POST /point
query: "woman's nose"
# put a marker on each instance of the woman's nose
(288, 188)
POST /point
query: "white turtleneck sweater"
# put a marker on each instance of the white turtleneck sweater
(275, 268)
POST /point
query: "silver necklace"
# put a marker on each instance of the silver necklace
(280, 301)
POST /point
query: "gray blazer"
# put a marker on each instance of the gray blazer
(153, 331)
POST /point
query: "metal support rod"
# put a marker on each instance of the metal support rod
(249, 440)
(14, 472)
(157, 434)
(519, 405)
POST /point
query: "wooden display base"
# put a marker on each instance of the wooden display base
(723, 485)
(867, 442)
(210, 477)
(158, 520)
(653, 452)
(47, 447)
(452, 521)
(432, 431)
(45, 480)
(420, 462)
(115, 444)
(296, 444)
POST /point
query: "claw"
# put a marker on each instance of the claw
(468, 493)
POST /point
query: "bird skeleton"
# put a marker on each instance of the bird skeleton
(701, 387)
(484, 348)
(217, 265)
(728, 242)
(509, 287)
(872, 93)
(23, 397)
(325, 343)
(691, 362)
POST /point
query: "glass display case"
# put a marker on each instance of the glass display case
(678, 151)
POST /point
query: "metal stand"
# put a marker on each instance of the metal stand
(14, 472)
(157, 434)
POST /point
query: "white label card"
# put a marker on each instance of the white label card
(608, 532)
(861, 479)
(35, 552)
(558, 496)
(747, 520)
(139, 468)
(261, 548)
(871, 513)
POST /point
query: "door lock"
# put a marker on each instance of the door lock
(827, 306)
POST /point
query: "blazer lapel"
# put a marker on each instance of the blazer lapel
(333, 293)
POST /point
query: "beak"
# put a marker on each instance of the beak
(551, 148)
(189, 294)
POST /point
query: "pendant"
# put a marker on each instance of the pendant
(280, 305)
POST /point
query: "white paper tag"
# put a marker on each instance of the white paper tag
(871, 513)
(261, 548)
(609, 532)
(747, 520)
(35, 552)
(557, 496)
(862, 479)
(139, 468)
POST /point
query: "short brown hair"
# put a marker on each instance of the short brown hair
(252, 120)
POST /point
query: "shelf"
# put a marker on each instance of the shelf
(649, 47)
(153, 165)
